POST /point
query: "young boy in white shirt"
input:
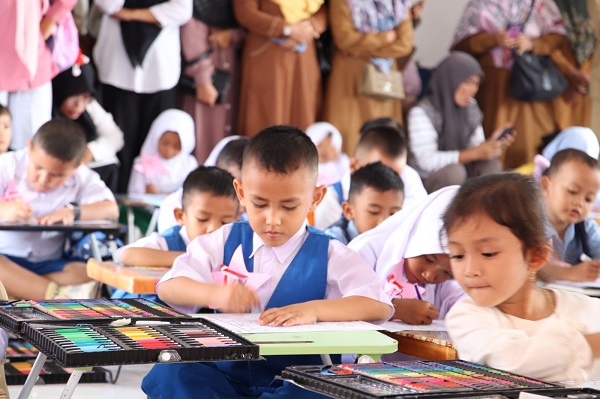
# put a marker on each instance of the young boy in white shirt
(305, 274)
(46, 183)
(378, 142)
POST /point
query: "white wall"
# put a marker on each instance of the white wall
(434, 35)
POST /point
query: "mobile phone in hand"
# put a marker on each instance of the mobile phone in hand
(506, 132)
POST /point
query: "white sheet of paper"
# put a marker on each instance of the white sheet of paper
(395, 326)
(247, 323)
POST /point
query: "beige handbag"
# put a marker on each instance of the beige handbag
(384, 87)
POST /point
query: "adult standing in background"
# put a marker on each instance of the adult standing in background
(574, 59)
(281, 80)
(213, 120)
(26, 67)
(489, 30)
(138, 56)
(376, 31)
(594, 11)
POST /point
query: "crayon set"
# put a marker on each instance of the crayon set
(419, 379)
(145, 341)
(13, 314)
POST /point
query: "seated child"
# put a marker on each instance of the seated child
(407, 255)
(73, 98)
(376, 193)
(379, 143)
(497, 242)
(209, 202)
(333, 164)
(5, 129)
(307, 274)
(226, 155)
(569, 188)
(45, 183)
(165, 159)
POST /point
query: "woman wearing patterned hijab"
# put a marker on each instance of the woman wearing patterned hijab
(364, 31)
(489, 30)
(446, 137)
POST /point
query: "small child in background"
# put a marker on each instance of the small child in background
(333, 164)
(381, 141)
(5, 129)
(45, 183)
(294, 274)
(209, 202)
(226, 155)
(376, 193)
(73, 93)
(569, 187)
(406, 253)
(497, 243)
(165, 158)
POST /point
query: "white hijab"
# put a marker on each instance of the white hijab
(178, 167)
(329, 172)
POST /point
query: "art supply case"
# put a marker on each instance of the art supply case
(423, 380)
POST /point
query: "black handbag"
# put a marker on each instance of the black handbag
(215, 13)
(535, 78)
(221, 79)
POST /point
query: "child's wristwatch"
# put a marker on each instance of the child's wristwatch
(76, 209)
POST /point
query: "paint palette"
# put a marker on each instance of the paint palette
(414, 379)
(12, 315)
(144, 341)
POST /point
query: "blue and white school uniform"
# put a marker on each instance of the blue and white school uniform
(83, 187)
(309, 266)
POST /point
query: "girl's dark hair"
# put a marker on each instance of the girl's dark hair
(509, 199)
(4, 110)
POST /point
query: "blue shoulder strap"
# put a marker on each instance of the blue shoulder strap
(338, 189)
(241, 233)
(174, 240)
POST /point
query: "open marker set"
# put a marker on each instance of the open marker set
(14, 314)
(21, 355)
(98, 332)
(423, 379)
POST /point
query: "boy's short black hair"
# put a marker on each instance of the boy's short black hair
(61, 139)
(390, 141)
(377, 176)
(4, 110)
(379, 122)
(233, 153)
(570, 154)
(207, 179)
(282, 149)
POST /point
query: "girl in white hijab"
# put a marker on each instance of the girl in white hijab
(333, 163)
(409, 256)
(165, 159)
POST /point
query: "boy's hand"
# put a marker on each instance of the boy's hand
(292, 315)
(414, 311)
(16, 211)
(64, 215)
(584, 271)
(236, 298)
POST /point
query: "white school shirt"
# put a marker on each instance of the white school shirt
(329, 210)
(110, 137)
(427, 158)
(162, 64)
(84, 187)
(166, 217)
(552, 349)
(153, 241)
(205, 255)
